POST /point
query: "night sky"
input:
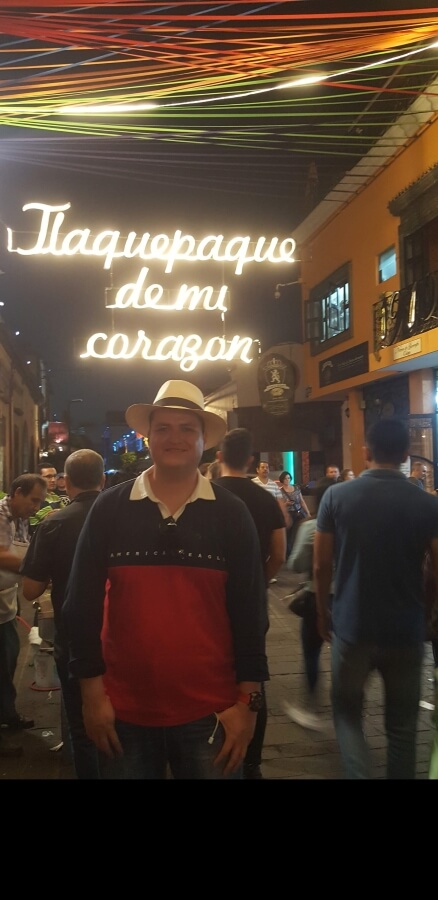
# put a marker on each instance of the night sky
(223, 151)
(56, 303)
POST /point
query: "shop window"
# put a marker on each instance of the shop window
(387, 264)
(328, 311)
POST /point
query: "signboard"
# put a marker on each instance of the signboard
(344, 365)
(278, 378)
(167, 252)
(408, 348)
(57, 432)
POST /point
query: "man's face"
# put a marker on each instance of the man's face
(23, 506)
(263, 471)
(421, 472)
(332, 472)
(49, 474)
(176, 439)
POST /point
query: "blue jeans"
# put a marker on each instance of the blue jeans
(400, 669)
(188, 751)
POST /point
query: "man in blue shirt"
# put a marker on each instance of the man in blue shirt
(376, 529)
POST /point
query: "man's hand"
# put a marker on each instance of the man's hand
(323, 624)
(98, 715)
(239, 724)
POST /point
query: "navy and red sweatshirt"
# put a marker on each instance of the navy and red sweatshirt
(172, 617)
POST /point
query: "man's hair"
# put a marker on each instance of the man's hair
(236, 448)
(84, 468)
(26, 483)
(45, 466)
(388, 441)
(320, 488)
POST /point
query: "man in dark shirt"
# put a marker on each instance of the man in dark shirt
(376, 529)
(235, 457)
(49, 559)
(418, 474)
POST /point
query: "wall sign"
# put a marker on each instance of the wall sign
(408, 348)
(344, 365)
(169, 250)
(278, 378)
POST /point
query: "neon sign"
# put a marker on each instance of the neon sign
(188, 351)
(169, 250)
(181, 247)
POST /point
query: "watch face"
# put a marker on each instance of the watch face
(255, 701)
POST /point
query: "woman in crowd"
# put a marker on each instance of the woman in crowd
(347, 475)
(295, 505)
(301, 561)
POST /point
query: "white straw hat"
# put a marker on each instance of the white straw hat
(178, 395)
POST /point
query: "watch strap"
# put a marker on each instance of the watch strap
(244, 698)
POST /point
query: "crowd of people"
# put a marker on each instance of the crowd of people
(160, 593)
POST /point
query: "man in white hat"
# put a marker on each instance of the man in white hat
(165, 608)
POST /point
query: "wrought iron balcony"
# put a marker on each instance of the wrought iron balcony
(400, 314)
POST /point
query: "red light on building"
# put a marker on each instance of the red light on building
(57, 433)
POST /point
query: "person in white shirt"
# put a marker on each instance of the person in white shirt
(264, 481)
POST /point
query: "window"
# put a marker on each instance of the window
(328, 311)
(415, 254)
(387, 264)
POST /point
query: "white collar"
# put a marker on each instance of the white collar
(142, 488)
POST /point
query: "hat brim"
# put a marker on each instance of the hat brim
(138, 417)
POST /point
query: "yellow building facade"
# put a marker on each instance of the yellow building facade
(369, 266)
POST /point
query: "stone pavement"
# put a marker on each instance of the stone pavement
(290, 752)
(293, 752)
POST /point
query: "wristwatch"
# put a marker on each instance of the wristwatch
(253, 701)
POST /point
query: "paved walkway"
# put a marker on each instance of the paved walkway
(290, 753)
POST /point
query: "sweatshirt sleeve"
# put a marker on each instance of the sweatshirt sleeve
(82, 610)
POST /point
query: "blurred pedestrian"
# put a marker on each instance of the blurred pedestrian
(376, 529)
(301, 561)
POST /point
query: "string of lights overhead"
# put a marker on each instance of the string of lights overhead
(204, 83)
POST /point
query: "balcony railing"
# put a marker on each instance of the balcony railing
(398, 315)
